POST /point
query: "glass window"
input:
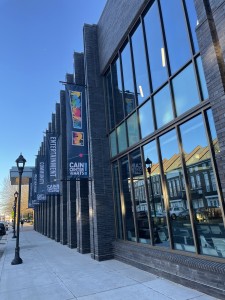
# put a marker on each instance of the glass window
(146, 119)
(192, 21)
(128, 205)
(214, 138)
(176, 33)
(163, 107)
(122, 137)
(132, 128)
(113, 143)
(129, 96)
(118, 205)
(155, 196)
(110, 101)
(202, 78)
(185, 90)
(117, 91)
(179, 212)
(156, 51)
(140, 65)
(208, 216)
(140, 199)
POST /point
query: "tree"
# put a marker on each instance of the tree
(7, 198)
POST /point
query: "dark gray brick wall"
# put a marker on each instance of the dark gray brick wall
(71, 214)
(210, 33)
(83, 226)
(63, 183)
(79, 68)
(115, 21)
(100, 191)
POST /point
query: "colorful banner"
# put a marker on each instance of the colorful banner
(77, 144)
(52, 169)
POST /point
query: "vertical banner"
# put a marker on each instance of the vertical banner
(30, 194)
(77, 147)
(34, 186)
(52, 168)
(41, 187)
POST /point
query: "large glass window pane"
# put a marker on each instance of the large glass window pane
(155, 196)
(118, 205)
(129, 95)
(113, 144)
(215, 142)
(205, 202)
(179, 212)
(132, 128)
(140, 199)
(185, 90)
(128, 209)
(117, 91)
(163, 107)
(110, 101)
(192, 21)
(122, 137)
(176, 33)
(202, 78)
(140, 65)
(156, 49)
(146, 119)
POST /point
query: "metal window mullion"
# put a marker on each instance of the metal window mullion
(214, 166)
(122, 82)
(164, 193)
(187, 190)
(133, 69)
(113, 97)
(122, 201)
(150, 223)
(133, 199)
(115, 196)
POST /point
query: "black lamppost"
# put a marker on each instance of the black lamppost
(148, 164)
(14, 210)
(20, 166)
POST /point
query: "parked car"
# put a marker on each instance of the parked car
(2, 229)
(178, 211)
(6, 225)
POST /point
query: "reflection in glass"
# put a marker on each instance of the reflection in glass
(122, 137)
(132, 128)
(140, 65)
(156, 49)
(202, 78)
(179, 212)
(128, 209)
(185, 90)
(215, 142)
(140, 199)
(118, 209)
(117, 91)
(156, 200)
(129, 97)
(113, 144)
(176, 33)
(204, 197)
(192, 21)
(146, 119)
(163, 107)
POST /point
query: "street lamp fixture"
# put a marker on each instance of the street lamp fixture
(20, 162)
(148, 164)
(14, 210)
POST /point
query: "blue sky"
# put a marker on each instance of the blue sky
(37, 41)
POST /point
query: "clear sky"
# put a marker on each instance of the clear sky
(37, 42)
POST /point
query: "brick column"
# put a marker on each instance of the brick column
(57, 218)
(71, 214)
(52, 221)
(83, 225)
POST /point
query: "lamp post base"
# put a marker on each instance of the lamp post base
(17, 260)
(13, 237)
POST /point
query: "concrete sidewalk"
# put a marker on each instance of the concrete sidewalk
(52, 271)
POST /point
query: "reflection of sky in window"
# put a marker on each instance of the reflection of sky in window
(193, 21)
(155, 44)
(146, 120)
(193, 134)
(150, 152)
(185, 90)
(127, 69)
(163, 107)
(169, 144)
(211, 124)
(140, 65)
(176, 33)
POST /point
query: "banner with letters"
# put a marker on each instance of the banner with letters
(30, 194)
(41, 178)
(52, 160)
(77, 144)
(34, 186)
